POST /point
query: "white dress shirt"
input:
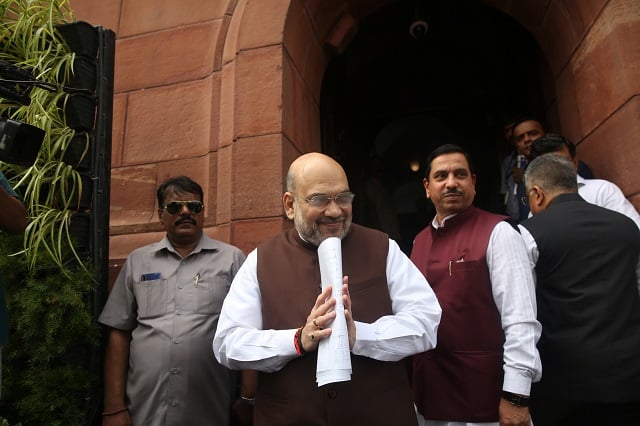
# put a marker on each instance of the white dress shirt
(241, 343)
(607, 194)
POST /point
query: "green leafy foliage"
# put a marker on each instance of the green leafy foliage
(47, 379)
(50, 187)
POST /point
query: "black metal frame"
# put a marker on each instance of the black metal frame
(99, 217)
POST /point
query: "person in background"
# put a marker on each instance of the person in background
(520, 133)
(161, 316)
(13, 219)
(588, 294)
(524, 131)
(276, 313)
(600, 192)
(486, 359)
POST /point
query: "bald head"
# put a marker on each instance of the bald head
(315, 167)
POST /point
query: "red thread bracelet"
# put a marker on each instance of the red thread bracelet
(297, 342)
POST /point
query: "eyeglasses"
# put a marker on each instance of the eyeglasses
(525, 199)
(175, 207)
(343, 200)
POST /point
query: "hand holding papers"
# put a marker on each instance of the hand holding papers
(334, 357)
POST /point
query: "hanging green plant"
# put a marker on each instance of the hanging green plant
(50, 187)
(48, 375)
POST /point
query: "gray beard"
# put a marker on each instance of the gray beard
(312, 234)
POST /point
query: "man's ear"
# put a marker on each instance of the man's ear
(425, 183)
(287, 201)
(540, 199)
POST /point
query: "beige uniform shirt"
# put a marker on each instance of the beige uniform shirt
(171, 305)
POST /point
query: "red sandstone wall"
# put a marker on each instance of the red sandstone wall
(592, 49)
(227, 92)
(198, 91)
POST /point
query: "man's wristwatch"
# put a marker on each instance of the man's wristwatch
(248, 400)
(515, 399)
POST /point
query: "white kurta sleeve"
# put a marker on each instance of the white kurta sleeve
(240, 342)
(416, 314)
(513, 290)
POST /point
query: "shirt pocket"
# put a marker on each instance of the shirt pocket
(151, 297)
(211, 291)
(460, 283)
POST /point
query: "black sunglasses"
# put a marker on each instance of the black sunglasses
(175, 207)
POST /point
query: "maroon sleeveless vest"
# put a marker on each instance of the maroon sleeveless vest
(461, 379)
(289, 278)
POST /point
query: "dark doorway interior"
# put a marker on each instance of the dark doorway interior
(392, 97)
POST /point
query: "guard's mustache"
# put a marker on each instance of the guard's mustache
(187, 219)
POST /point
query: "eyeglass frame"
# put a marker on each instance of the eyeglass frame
(350, 195)
(188, 203)
(525, 198)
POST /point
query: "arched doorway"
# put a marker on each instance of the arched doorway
(393, 96)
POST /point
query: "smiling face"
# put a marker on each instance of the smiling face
(316, 174)
(451, 186)
(184, 228)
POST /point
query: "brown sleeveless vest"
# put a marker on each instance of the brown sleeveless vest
(289, 276)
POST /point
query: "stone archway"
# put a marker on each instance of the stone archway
(253, 71)
(580, 42)
(392, 97)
